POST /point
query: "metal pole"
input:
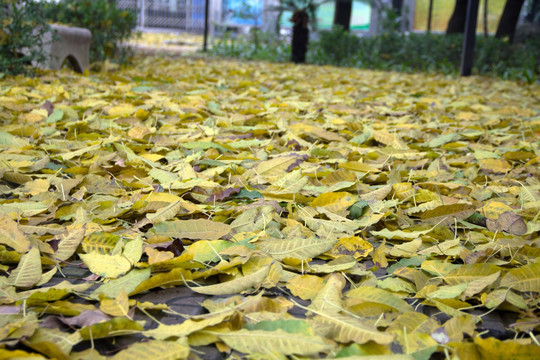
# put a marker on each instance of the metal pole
(485, 18)
(430, 14)
(205, 43)
(142, 13)
(470, 37)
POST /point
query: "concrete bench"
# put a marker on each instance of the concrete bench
(71, 44)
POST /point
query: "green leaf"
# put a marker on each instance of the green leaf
(357, 209)
(57, 115)
(292, 326)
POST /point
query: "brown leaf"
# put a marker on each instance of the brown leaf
(509, 222)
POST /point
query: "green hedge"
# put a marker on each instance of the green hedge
(21, 32)
(401, 52)
(428, 52)
(108, 24)
(267, 47)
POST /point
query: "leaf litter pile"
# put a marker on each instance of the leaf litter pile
(315, 212)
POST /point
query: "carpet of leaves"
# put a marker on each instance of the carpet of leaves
(395, 213)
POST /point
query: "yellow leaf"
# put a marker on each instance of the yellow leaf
(122, 110)
(493, 349)
(69, 242)
(497, 166)
(108, 266)
(370, 294)
(329, 298)
(359, 167)
(271, 169)
(116, 307)
(192, 229)
(12, 236)
(391, 140)
(315, 131)
(235, 286)
(354, 246)
(305, 287)
(154, 349)
(334, 202)
(155, 256)
(346, 329)
(448, 214)
(161, 197)
(379, 255)
(141, 114)
(493, 209)
(279, 341)
(525, 278)
(36, 187)
(28, 271)
(174, 277)
(138, 132)
(189, 326)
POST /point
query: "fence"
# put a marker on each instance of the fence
(179, 15)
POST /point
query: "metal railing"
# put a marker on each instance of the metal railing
(177, 15)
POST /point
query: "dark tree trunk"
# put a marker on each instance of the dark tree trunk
(300, 36)
(509, 19)
(430, 15)
(456, 25)
(342, 13)
(469, 37)
(397, 5)
(535, 9)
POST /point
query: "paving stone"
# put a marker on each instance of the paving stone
(179, 299)
(208, 353)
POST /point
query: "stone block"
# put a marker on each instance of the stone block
(71, 44)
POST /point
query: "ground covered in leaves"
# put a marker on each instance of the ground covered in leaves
(317, 211)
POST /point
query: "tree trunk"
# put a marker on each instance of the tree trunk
(534, 9)
(397, 5)
(300, 36)
(509, 19)
(456, 25)
(342, 13)
(430, 16)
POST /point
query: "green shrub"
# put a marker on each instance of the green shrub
(108, 24)
(432, 53)
(335, 47)
(21, 32)
(267, 47)
(427, 52)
